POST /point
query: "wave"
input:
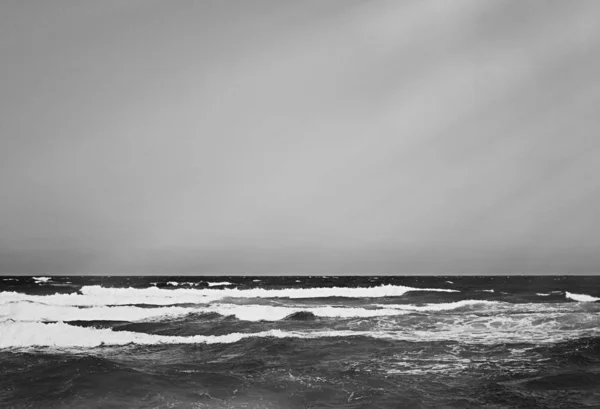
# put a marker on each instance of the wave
(62, 335)
(196, 284)
(218, 283)
(185, 283)
(449, 306)
(97, 295)
(33, 311)
(41, 279)
(581, 297)
(42, 312)
(273, 313)
(25, 334)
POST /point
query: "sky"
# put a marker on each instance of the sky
(299, 137)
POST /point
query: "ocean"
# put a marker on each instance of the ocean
(300, 342)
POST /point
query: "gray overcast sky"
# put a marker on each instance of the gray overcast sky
(321, 137)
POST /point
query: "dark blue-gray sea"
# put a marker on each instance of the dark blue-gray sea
(300, 342)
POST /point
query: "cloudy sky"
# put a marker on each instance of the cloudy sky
(319, 137)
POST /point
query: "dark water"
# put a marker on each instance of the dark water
(300, 342)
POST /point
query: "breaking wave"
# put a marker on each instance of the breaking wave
(42, 312)
(581, 297)
(33, 311)
(62, 335)
(219, 283)
(97, 295)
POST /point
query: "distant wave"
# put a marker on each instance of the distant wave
(581, 297)
(97, 295)
(41, 279)
(218, 283)
(184, 283)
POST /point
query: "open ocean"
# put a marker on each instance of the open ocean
(300, 342)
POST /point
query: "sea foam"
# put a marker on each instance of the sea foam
(29, 311)
(581, 297)
(97, 295)
(33, 311)
(494, 331)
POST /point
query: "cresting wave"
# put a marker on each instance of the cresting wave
(195, 284)
(581, 297)
(61, 335)
(249, 312)
(41, 312)
(32, 311)
(96, 295)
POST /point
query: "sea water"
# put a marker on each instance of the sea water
(300, 342)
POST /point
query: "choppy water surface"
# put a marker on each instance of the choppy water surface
(300, 342)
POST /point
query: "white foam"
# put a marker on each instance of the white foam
(96, 295)
(488, 291)
(184, 283)
(489, 330)
(42, 279)
(61, 335)
(543, 294)
(27, 311)
(581, 297)
(219, 283)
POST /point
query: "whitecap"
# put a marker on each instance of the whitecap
(274, 313)
(41, 312)
(27, 311)
(581, 297)
(445, 306)
(97, 295)
(492, 330)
